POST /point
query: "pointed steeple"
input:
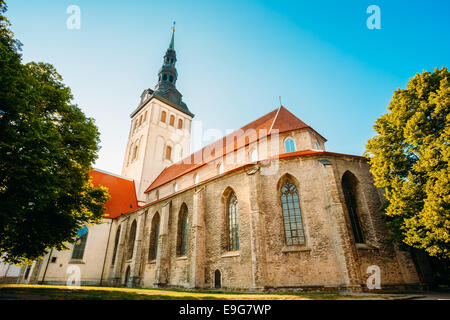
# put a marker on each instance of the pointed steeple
(167, 78)
(172, 42)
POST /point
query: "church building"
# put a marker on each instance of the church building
(266, 207)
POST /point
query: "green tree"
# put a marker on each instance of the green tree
(409, 158)
(47, 146)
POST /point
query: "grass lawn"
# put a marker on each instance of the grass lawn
(44, 292)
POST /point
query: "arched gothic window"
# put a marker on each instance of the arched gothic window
(154, 235)
(183, 231)
(233, 223)
(116, 244)
(131, 240)
(289, 145)
(349, 187)
(293, 225)
(80, 244)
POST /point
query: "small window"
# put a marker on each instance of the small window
(145, 116)
(163, 116)
(172, 120)
(165, 77)
(175, 187)
(157, 194)
(289, 145)
(53, 260)
(196, 178)
(180, 124)
(168, 153)
(220, 168)
(171, 79)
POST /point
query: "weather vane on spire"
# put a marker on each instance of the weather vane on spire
(173, 28)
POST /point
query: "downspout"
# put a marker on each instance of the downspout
(106, 253)
(46, 267)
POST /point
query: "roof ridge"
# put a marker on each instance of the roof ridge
(113, 174)
(275, 119)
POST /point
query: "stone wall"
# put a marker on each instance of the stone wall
(328, 259)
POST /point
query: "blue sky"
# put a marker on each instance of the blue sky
(236, 57)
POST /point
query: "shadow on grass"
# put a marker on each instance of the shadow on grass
(75, 294)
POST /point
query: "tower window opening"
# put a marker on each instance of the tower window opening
(168, 153)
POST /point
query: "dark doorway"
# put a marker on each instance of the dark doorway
(217, 280)
(127, 276)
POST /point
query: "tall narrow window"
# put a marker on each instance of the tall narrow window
(116, 244)
(220, 168)
(289, 145)
(168, 152)
(183, 230)
(233, 223)
(293, 226)
(196, 178)
(163, 116)
(131, 240)
(172, 120)
(349, 186)
(180, 124)
(154, 235)
(80, 244)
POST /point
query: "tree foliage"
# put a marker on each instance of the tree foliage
(47, 146)
(409, 158)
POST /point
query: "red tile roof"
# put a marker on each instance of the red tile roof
(122, 191)
(280, 119)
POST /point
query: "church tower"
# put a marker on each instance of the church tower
(160, 128)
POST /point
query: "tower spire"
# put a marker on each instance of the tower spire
(172, 42)
(167, 76)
